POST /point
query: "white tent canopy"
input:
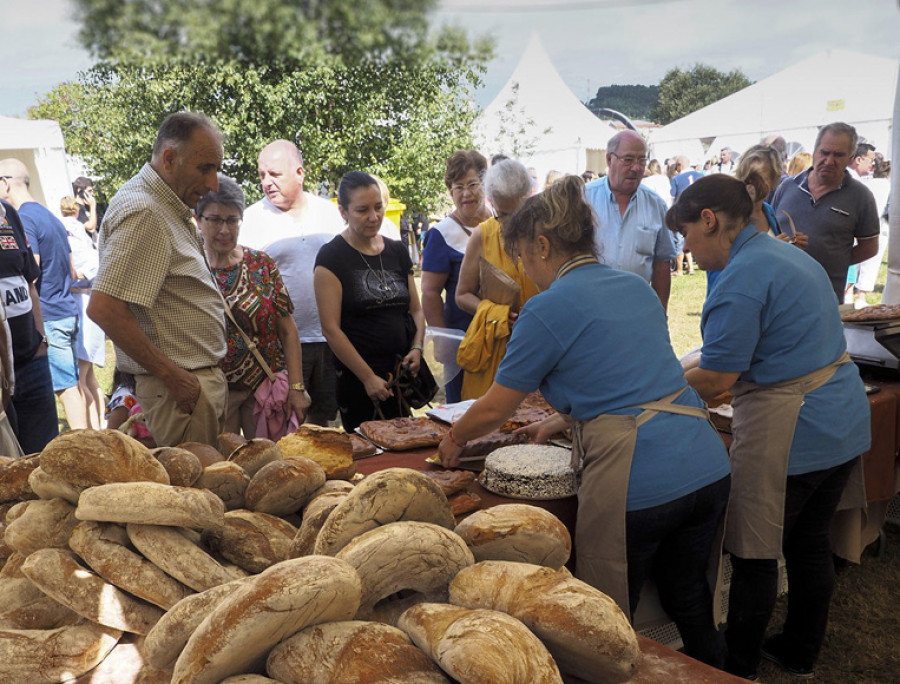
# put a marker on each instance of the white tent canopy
(537, 108)
(834, 85)
(39, 145)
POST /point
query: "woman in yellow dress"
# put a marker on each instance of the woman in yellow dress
(492, 286)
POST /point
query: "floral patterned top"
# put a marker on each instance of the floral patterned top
(257, 297)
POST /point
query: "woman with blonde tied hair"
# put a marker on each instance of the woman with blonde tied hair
(655, 477)
(799, 163)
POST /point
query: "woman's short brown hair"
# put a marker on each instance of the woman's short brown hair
(461, 162)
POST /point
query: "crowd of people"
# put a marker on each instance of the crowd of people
(297, 308)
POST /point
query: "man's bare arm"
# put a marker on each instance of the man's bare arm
(661, 281)
(865, 248)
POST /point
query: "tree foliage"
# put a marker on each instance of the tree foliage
(634, 101)
(357, 84)
(683, 92)
(398, 123)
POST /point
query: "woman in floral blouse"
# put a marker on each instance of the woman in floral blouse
(261, 305)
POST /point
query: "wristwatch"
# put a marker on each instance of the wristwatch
(299, 386)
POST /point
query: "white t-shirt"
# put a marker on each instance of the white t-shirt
(294, 246)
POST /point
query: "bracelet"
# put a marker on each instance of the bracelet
(416, 346)
(299, 386)
(450, 435)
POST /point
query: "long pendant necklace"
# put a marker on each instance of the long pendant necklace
(386, 288)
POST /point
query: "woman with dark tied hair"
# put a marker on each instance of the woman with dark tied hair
(368, 305)
(656, 475)
(772, 336)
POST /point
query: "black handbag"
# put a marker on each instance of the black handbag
(416, 390)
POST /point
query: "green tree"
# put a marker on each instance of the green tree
(634, 101)
(357, 84)
(683, 92)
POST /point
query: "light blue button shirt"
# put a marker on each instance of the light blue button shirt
(635, 241)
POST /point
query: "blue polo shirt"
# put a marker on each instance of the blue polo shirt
(772, 317)
(49, 241)
(635, 241)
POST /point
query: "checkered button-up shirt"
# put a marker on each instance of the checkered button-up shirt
(151, 256)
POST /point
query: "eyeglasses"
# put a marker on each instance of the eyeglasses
(218, 221)
(631, 161)
(472, 187)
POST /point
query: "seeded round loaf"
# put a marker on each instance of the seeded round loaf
(530, 471)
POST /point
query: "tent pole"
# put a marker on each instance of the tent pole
(891, 293)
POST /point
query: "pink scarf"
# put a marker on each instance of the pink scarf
(271, 406)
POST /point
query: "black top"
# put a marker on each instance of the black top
(375, 299)
(17, 269)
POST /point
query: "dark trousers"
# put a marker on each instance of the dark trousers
(672, 543)
(32, 411)
(319, 376)
(810, 502)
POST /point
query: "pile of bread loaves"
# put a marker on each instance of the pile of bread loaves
(280, 575)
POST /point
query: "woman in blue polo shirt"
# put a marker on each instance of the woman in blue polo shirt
(772, 335)
(656, 476)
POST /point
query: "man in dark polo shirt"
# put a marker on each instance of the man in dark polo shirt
(834, 209)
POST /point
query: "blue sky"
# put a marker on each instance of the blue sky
(591, 43)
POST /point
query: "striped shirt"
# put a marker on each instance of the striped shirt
(151, 257)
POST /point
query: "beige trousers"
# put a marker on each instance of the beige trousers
(171, 426)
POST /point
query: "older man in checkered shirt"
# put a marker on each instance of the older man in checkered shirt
(154, 295)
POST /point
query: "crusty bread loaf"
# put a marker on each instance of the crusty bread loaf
(104, 547)
(517, 532)
(314, 516)
(328, 447)
(13, 566)
(479, 646)
(239, 633)
(206, 453)
(249, 679)
(253, 455)
(284, 486)
(49, 656)
(40, 524)
(94, 457)
(253, 541)
(167, 638)
(352, 652)
(228, 481)
(58, 574)
(182, 466)
(14, 478)
(228, 442)
(172, 552)
(389, 495)
(405, 555)
(47, 487)
(584, 629)
(24, 606)
(152, 503)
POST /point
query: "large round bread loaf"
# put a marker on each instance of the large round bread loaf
(207, 454)
(314, 516)
(179, 557)
(14, 478)
(239, 633)
(58, 574)
(283, 486)
(352, 652)
(94, 457)
(228, 442)
(226, 480)
(47, 487)
(50, 656)
(253, 455)
(24, 606)
(479, 646)
(104, 547)
(584, 629)
(13, 566)
(252, 541)
(517, 532)
(390, 495)
(249, 679)
(165, 641)
(182, 466)
(150, 503)
(416, 556)
(329, 447)
(41, 524)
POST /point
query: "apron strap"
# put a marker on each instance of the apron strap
(666, 405)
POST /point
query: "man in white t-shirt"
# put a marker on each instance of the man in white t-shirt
(290, 225)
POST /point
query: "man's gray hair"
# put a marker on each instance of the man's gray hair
(839, 128)
(507, 180)
(178, 128)
(612, 145)
(228, 194)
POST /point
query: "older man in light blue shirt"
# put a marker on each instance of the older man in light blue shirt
(632, 234)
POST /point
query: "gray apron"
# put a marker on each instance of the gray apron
(765, 418)
(605, 446)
